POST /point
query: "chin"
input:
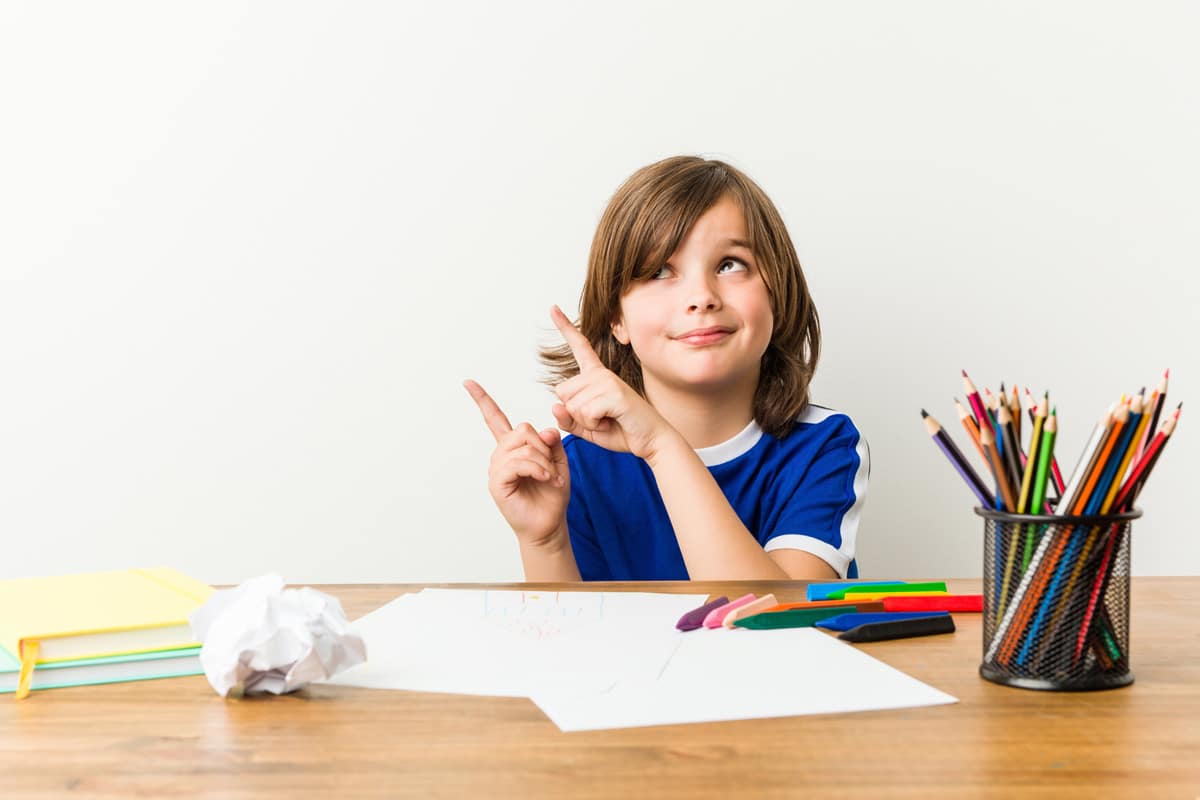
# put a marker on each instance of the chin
(706, 381)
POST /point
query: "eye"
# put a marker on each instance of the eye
(663, 272)
(733, 264)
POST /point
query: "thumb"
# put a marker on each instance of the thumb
(564, 419)
(558, 454)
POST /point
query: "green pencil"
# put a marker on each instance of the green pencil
(1049, 431)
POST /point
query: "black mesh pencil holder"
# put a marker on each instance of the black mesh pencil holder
(1056, 600)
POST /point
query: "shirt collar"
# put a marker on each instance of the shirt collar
(731, 448)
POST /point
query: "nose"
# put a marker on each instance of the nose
(702, 294)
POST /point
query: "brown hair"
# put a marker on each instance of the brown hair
(644, 223)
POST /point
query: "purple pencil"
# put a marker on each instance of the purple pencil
(956, 457)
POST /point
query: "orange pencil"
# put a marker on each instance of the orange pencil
(988, 441)
(1120, 417)
(968, 422)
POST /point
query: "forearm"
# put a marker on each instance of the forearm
(552, 560)
(714, 542)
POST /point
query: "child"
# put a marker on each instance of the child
(693, 451)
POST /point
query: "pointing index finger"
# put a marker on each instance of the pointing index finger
(585, 356)
(495, 419)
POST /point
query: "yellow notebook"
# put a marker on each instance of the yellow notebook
(95, 615)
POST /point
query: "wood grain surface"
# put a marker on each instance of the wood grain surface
(177, 738)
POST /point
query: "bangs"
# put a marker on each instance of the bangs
(665, 217)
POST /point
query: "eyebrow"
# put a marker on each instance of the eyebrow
(738, 243)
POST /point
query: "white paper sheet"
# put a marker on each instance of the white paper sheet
(742, 674)
(513, 643)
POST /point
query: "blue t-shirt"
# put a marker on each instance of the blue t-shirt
(804, 491)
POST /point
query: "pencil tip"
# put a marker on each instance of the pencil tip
(924, 413)
(1167, 374)
(964, 373)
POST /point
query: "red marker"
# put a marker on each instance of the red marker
(949, 602)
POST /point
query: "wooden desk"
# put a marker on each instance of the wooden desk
(176, 737)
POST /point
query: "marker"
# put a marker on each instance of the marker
(820, 591)
(931, 586)
(870, 605)
(847, 622)
(797, 618)
(950, 602)
(878, 596)
(903, 629)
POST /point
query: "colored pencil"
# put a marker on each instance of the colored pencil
(1006, 631)
(1079, 547)
(1085, 460)
(1045, 453)
(981, 415)
(959, 461)
(1015, 407)
(1135, 410)
(1039, 577)
(972, 428)
(1124, 502)
(988, 440)
(1057, 482)
(1009, 448)
(1043, 566)
(1023, 505)
(1156, 400)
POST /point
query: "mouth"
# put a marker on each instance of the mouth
(703, 336)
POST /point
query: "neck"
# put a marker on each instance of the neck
(704, 418)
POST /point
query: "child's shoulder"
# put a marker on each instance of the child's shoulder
(820, 426)
(822, 418)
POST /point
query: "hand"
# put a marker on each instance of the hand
(528, 476)
(598, 406)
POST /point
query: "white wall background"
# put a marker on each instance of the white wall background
(249, 251)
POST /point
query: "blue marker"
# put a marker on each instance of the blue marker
(821, 591)
(845, 622)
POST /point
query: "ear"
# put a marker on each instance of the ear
(619, 332)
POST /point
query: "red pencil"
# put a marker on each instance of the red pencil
(981, 415)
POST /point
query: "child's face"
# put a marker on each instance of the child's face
(704, 320)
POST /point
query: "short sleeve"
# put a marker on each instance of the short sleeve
(817, 505)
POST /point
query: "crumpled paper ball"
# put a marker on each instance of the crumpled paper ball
(265, 638)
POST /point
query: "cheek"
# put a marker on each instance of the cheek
(757, 309)
(642, 323)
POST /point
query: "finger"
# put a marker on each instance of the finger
(592, 408)
(572, 386)
(527, 453)
(493, 417)
(585, 356)
(512, 471)
(524, 435)
(552, 439)
(558, 455)
(564, 418)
